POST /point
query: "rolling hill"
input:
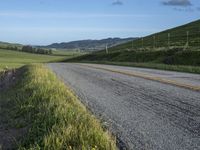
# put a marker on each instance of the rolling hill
(89, 45)
(5, 45)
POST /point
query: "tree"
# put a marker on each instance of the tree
(27, 49)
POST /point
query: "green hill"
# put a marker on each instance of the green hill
(89, 45)
(176, 37)
(6, 45)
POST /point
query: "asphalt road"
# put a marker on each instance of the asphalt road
(142, 113)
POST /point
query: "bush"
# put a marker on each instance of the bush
(30, 49)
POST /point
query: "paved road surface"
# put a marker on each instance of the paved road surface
(143, 114)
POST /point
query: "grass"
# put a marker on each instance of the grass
(178, 38)
(55, 117)
(174, 59)
(15, 59)
(66, 53)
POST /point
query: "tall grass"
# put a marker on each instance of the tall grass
(55, 117)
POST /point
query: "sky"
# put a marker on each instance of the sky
(42, 22)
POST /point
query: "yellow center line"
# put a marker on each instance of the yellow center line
(140, 75)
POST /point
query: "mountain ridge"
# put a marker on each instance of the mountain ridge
(89, 44)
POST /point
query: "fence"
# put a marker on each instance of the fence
(185, 37)
(183, 40)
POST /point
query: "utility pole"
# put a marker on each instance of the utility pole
(132, 44)
(106, 49)
(78, 50)
(188, 38)
(168, 40)
(199, 38)
(142, 42)
(154, 41)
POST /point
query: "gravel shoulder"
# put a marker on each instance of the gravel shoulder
(143, 114)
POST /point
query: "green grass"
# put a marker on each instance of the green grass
(15, 59)
(176, 59)
(178, 38)
(55, 117)
(67, 53)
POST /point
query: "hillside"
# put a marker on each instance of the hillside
(24, 48)
(184, 36)
(177, 52)
(90, 45)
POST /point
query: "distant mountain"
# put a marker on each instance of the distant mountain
(90, 45)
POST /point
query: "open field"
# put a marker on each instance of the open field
(42, 113)
(15, 59)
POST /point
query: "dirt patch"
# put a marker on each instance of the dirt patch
(9, 137)
(9, 134)
(7, 78)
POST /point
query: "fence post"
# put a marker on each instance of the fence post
(142, 43)
(188, 38)
(168, 40)
(132, 44)
(199, 38)
(106, 49)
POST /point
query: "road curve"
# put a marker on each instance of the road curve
(142, 113)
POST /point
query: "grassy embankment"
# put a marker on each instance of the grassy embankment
(174, 60)
(54, 117)
(166, 53)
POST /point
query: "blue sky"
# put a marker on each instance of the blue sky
(41, 22)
